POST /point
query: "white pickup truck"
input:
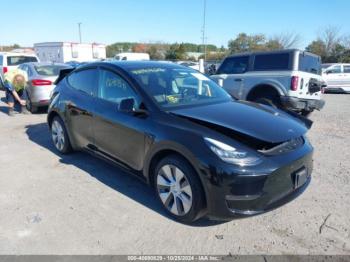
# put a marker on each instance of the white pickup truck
(288, 79)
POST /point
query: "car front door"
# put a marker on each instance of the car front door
(80, 105)
(334, 76)
(118, 135)
(232, 72)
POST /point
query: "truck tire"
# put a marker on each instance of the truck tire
(272, 101)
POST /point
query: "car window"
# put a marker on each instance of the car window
(26, 69)
(85, 80)
(1, 60)
(17, 60)
(234, 65)
(347, 69)
(267, 62)
(310, 64)
(49, 70)
(334, 70)
(114, 88)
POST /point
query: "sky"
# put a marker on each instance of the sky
(108, 21)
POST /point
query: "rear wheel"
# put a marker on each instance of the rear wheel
(29, 105)
(270, 99)
(266, 101)
(59, 136)
(179, 189)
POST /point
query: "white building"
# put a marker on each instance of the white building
(61, 52)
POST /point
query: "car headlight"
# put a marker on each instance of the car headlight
(230, 154)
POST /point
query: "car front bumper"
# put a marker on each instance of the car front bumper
(294, 103)
(238, 192)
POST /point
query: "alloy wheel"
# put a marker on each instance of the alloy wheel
(174, 190)
(58, 135)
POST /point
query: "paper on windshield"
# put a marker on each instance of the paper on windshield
(200, 76)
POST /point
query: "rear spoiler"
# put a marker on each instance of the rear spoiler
(63, 74)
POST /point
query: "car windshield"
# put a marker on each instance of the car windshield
(174, 87)
(49, 70)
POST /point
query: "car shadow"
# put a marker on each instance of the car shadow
(4, 109)
(108, 174)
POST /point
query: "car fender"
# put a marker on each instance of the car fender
(178, 148)
(58, 108)
(273, 83)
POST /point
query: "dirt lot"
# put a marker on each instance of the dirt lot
(76, 204)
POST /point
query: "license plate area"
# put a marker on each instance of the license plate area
(299, 177)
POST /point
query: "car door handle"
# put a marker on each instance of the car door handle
(238, 79)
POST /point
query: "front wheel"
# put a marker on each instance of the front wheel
(59, 136)
(179, 189)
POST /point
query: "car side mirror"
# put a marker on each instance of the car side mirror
(127, 105)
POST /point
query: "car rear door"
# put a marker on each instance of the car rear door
(80, 105)
(118, 135)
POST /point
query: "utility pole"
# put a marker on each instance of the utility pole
(204, 44)
(79, 32)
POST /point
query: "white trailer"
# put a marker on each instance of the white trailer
(61, 52)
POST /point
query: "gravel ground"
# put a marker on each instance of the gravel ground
(76, 204)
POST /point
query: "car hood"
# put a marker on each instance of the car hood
(250, 119)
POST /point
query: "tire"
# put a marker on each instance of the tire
(269, 101)
(30, 107)
(2, 87)
(59, 136)
(179, 189)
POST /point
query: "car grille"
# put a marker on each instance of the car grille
(285, 147)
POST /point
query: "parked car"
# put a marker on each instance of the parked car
(132, 56)
(202, 151)
(41, 78)
(337, 77)
(10, 61)
(190, 64)
(287, 79)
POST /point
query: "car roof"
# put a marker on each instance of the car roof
(130, 65)
(281, 51)
(45, 64)
(17, 54)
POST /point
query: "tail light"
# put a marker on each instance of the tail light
(294, 83)
(5, 69)
(41, 82)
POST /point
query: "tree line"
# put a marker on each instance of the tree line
(330, 45)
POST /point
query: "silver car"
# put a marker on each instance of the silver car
(337, 77)
(41, 78)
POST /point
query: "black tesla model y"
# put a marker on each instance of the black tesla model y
(202, 151)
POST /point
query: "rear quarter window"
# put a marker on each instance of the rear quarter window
(310, 64)
(17, 60)
(269, 62)
(1, 60)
